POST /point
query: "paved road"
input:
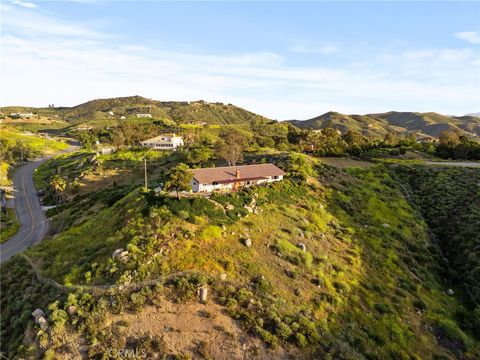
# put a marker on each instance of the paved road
(453, 163)
(33, 224)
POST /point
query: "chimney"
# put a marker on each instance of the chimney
(237, 174)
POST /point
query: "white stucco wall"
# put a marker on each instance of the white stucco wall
(197, 187)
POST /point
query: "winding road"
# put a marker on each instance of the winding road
(33, 223)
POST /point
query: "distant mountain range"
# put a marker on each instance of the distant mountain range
(474, 114)
(430, 123)
(110, 112)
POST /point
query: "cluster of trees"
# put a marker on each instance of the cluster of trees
(204, 144)
(129, 133)
(455, 146)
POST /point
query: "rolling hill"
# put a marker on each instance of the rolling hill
(430, 123)
(112, 111)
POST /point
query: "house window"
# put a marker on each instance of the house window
(275, 177)
(215, 183)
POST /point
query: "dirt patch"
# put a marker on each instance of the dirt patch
(200, 330)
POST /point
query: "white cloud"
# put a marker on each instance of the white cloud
(24, 4)
(469, 36)
(46, 60)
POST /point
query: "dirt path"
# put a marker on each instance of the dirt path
(454, 163)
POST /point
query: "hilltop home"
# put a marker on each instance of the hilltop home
(164, 142)
(234, 177)
(21, 115)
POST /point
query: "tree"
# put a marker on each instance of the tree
(179, 179)
(230, 147)
(391, 139)
(59, 184)
(118, 139)
(449, 138)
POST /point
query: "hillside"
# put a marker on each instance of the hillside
(431, 124)
(368, 284)
(111, 111)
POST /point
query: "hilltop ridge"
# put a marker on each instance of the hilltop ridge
(111, 110)
(429, 123)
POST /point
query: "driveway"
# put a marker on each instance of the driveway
(453, 163)
(33, 223)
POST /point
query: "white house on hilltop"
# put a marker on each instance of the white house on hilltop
(21, 115)
(164, 142)
(234, 177)
(144, 115)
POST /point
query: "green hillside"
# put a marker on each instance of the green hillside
(99, 112)
(401, 122)
(369, 283)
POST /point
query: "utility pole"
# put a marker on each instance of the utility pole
(146, 184)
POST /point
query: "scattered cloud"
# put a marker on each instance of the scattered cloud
(472, 37)
(52, 61)
(24, 4)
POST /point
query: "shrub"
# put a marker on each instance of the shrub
(301, 340)
(283, 331)
(383, 308)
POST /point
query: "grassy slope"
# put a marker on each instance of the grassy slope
(362, 288)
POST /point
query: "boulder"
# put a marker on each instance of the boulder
(203, 294)
(120, 254)
(247, 242)
(450, 292)
(386, 226)
(223, 277)
(229, 207)
(38, 313)
(302, 246)
(248, 208)
(72, 310)
(42, 322)
(117, 253)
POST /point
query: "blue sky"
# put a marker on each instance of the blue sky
(281, 59)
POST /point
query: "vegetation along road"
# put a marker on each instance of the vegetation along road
(34, 225)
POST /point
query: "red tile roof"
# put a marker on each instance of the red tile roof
(229, 173)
